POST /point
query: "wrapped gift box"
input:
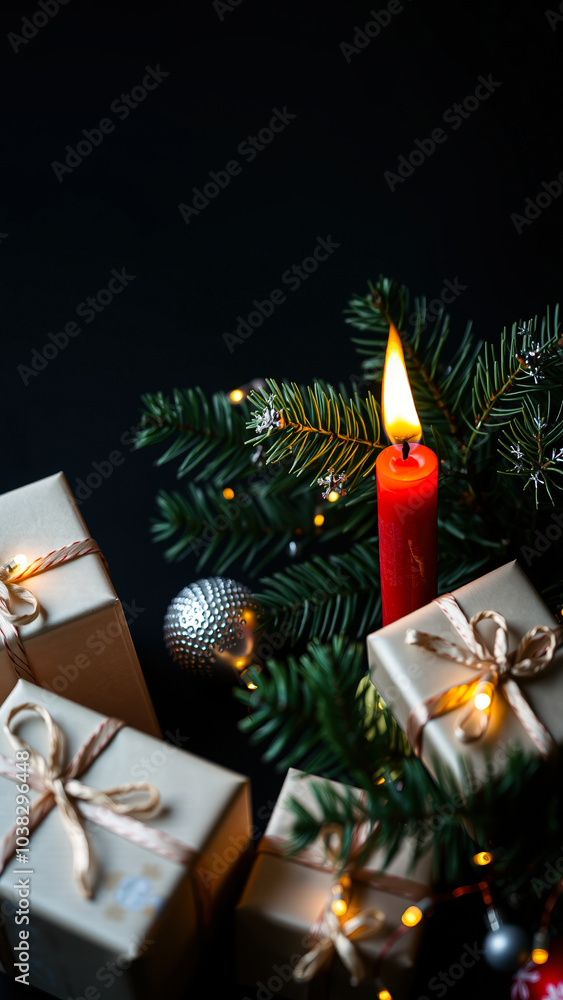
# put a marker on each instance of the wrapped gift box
(407, 675)
(284, 897)
(79, 645)
(141, 931)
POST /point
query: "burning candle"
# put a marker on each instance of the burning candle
(407, 487)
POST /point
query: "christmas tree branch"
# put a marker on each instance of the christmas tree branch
(206, 433)
(316, 426)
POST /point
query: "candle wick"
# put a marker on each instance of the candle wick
(405, 450)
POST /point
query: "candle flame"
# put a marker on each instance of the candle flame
(399, 412)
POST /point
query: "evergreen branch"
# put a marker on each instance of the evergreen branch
(221, 531)
(324, 596)
(208, 435)
(439, 388)
(504, 381)
(317, 426)
(538, 452)
(310, 712)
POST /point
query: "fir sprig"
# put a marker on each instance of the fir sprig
(311, 714)
(318, 427)
(326, 596)
(208, 434)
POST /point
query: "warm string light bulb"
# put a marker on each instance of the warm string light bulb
(332, 497)
(540, 956)
(483, 695)
(341, 896)
(243, 391)
(384, 995)
(540, 949)
(482, 858)
(318, 520)
(414, 914)
(228, 493)
(16, 564)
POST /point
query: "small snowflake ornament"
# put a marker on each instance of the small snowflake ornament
(528, 973)
(554, 991)
(332, 484)
(516, 450)
(533, 359)
(269, 418)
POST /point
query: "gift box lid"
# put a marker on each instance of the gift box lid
(132, 883)
(37, 519)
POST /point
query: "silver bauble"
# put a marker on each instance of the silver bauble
(507, 948)
(209, 626)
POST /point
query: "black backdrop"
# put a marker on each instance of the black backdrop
(352, 104)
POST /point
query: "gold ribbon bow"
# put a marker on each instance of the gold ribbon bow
(500, 668)
(60, 788)
(332, 933)
(340, 937)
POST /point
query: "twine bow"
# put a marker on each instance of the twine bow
(500, 668)
(19, 606)
(331, 933)
(340, 937)
(59, 787)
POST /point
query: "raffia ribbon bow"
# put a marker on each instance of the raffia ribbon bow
(18, 606)
(499, 669)
(334, 935)
(60, 788)
(340, 937)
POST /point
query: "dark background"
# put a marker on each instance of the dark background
(323, 175)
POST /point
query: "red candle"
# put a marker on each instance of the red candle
(407, 487)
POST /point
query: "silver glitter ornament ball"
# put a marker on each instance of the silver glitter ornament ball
(209, 626)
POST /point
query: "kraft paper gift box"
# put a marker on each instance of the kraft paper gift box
(149, 915)
(79, 645)
(284, 898)
(407, 675)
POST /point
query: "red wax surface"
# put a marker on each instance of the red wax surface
(407, 492)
